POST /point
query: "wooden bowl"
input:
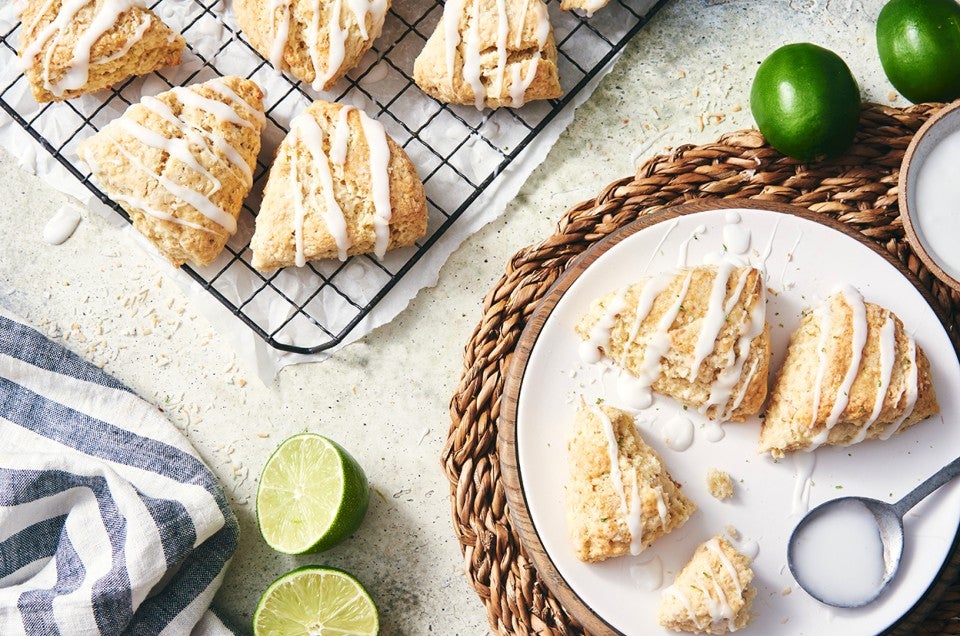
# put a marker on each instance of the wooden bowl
(941, 125)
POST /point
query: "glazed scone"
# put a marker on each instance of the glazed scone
(316, 42)
(851, 373)
(181, 163)
(719, 484)
(339, 186)
(620, 497)
(71, 48)
(490, 53)
(698, 335)
(712, 594)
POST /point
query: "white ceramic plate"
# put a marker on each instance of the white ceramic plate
(804, 261)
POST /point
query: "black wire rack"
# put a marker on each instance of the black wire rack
(461, 154)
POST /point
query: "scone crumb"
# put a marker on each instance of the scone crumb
(732, 532)
(786, 591)
(719, 484)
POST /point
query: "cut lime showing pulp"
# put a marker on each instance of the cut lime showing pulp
(312, 495)
(315, 601)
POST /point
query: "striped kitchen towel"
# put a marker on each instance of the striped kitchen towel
(109, 521)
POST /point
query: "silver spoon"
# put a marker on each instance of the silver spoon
(889, 519)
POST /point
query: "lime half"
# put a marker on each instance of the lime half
(315, 601)
(312, 495)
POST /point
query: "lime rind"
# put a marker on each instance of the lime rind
(312, 495)
(316, 601)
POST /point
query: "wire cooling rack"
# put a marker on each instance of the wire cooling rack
(459, 152)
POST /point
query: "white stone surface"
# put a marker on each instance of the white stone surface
(685, 78)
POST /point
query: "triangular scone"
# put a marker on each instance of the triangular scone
(490, 53)
(316, 41)
(69, 48)
(180, 164)
(339, 186)
(712, 594)
(620, 497)
(710, 319)
(851, 373)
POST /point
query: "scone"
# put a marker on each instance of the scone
(339, 186)
(315, 41)
(68, 48)
(712, 594)
(851, 373)
(699, 335)
(490, 53)
(620, 497)
(181, 163)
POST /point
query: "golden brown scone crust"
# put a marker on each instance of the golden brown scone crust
(790, 423)
(136, 189)
(273, 242)
(430, 68)
(595, 516)
(259, 20)
(683, 334)
(156, 48)
(707, 581)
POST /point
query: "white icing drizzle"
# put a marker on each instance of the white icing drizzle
(141, 205)
(198, 201)
(218, 86)
(660, 342)
(138, 34)
(736, 238)
(888, 353)
(647, 574)
(682, 251)
(519, 84)
(360, 9)
(663, 239)
(280, 31)
(769, 248)
(177, 147)
(518, 40)
(336, 43)
(452, 9)
(678, 433)
(718, 607)
(632, 392)
(61, 225)
(341, 135)
(78, 68)
(218, 109)
(379, 180)
(684, 600)
(599, 337)
(503, 31)
(471, 59)
(722, 387)
(911, 390)
(714, 546)
(712, 321)
(305, 127)
(822, 314)
(613, 454)
(648, 295)
(789, 259)
(803, 463)
(199, 136)
(858, 341)
(661, 507)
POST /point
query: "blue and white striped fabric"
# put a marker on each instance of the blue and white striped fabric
(109, 521)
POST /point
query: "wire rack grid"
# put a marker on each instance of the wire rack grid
(459, 152)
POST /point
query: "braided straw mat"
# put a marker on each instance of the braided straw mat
(859, 188)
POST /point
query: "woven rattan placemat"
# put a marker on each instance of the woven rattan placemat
(859, 188)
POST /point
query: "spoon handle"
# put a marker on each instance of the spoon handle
(936, 480)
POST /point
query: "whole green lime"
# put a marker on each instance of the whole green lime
(919, 46)
(805, 101)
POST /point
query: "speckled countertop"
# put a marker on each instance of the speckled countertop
(684, 78)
